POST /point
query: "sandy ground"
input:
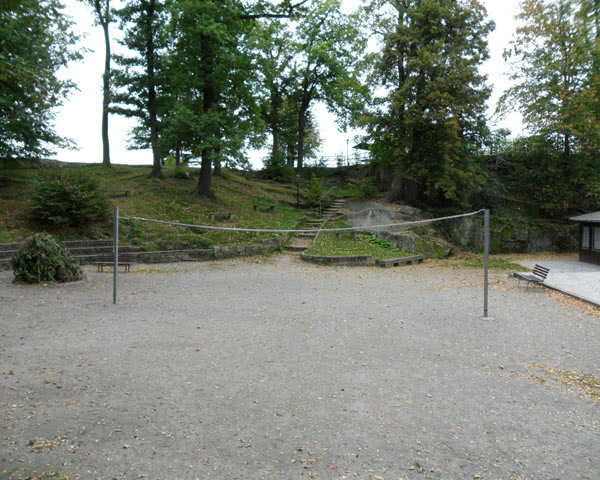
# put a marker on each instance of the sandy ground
(277, 369)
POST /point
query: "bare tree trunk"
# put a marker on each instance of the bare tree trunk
(152, 107)
(291, 155)
(178, 153)
(104, 20)
(301, 132)
(275, 119)
(205, 181)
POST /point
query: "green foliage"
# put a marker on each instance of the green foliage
(431, 110)
(549, 62)
(44, 259)
(276, 168)
(36, 41)
(315, 191)
(181, 173)
(385, 244)
(365, 186)
(555, 67)
(346, 244)
(66, 198)
(329, 45)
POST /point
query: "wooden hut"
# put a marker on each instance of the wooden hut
(589, 237)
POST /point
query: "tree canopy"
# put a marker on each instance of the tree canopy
(431, 112)
(36, 40)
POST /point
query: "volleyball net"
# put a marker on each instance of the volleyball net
(378, 227)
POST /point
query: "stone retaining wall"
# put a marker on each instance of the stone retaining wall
(357, 260)
(199, 255)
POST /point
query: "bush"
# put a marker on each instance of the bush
(315, 191)
(365, 187)
(276, 168)
(181, 173)
(68, 199)
(44, 259)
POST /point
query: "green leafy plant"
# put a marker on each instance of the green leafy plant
(44, 259)
(315, 191)
(181, 173)
(68, 199)
(276, 168)
(364, 186)
(385, 244)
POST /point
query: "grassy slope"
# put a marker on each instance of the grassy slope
(168, 198)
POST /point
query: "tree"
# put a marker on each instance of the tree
(327, 47)
(213, 39)
(279, 96)
(275, 55)
(548, 61)
(430, 116)
(103, 17)
(138, 78)
(36, 40)
(555, 64)
(216, 111)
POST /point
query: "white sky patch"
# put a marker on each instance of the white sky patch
(80, 117)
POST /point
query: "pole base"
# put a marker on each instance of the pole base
(487, 318)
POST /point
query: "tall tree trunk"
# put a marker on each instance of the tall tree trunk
(290, 155)
(301, 133)
(209, 100)
(275, 108)
(178, 153)
(152, 107)
(104, 19)
(217, 162)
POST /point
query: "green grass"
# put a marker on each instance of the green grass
(344, 245)
(167, 198)
(476, 261)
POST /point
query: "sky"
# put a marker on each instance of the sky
(80, 116)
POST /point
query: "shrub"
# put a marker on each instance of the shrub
(44, 259)
(315, 191)
(364, 186)
(68, 199)
(276, 168)
(181, 173)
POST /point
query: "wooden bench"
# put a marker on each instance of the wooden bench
(537, 277)
(101, 265)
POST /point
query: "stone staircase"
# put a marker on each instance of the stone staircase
(303, 241)
(85, 252)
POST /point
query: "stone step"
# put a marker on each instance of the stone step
(296, 248)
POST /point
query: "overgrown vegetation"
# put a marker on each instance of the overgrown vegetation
(315, 191)
(343, 244)
(44, 259)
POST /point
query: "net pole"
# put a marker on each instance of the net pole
(486, 251)
(116, 255)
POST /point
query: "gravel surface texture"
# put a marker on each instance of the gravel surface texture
(280, 369)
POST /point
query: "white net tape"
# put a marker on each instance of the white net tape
(303, 230)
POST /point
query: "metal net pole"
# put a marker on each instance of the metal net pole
(116, 255)
(486, 250)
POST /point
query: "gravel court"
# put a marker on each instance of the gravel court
(279, 369)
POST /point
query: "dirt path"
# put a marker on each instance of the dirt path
(273, 368)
